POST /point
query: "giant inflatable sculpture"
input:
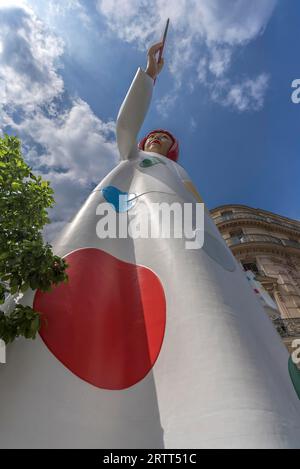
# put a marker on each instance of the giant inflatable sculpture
(149, 344)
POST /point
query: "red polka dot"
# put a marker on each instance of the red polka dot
(107, 323)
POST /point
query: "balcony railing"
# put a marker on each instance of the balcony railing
(291, 243)
(256, 238)
(288, 327)
(253, 216)
(237, 216)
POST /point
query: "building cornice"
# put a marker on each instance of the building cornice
(264, 248)
(272, 227)
(246, 208)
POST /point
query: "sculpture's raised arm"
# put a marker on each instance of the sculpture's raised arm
(136, 103)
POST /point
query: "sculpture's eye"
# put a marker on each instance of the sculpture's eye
(147, 162)
(121, 201)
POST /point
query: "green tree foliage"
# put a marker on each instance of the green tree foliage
(25, 260)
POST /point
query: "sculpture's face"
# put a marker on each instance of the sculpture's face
(158, 142)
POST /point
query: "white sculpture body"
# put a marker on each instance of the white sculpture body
(220, 379)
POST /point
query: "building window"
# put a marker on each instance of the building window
(227, 212)
(236, 234)
(250, 266)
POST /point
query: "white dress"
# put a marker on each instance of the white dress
(150, 345)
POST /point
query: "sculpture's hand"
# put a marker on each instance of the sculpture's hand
(154, 67)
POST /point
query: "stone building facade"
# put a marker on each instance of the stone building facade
(269, 246)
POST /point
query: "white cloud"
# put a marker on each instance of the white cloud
(76, 142)
(204, 36)
(62, 138)
(28, 73)
(247, 95)
(231, 22)
(220, 58)
(165, 104)
(54, 9)
(234, 21)
(202, 70)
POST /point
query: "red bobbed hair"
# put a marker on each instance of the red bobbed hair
(173, 153)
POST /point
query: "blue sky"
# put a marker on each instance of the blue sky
(225, 92)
